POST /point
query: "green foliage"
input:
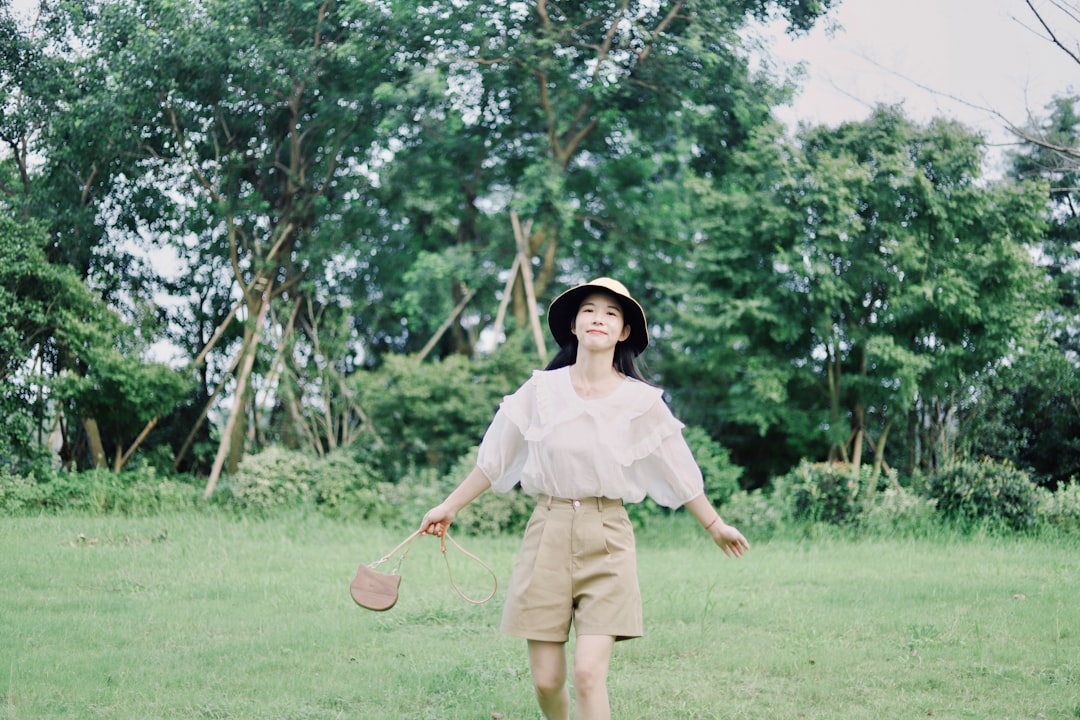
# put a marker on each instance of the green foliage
(985, 492)
(898, 511)
(491, 513)
(1026, 412)
(344, 485)
(33, 294)
(85, 359)
(430, 413)
(138, 491)
(19, 493)
(1058, 252)
(273, 480)
(117, 387)
(1060, 509)
(758, 514)
(814, 496)
(339, 485)
(721, 475)
(845, 275)
(825, 492)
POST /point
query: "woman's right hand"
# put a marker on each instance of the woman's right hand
(437, 520)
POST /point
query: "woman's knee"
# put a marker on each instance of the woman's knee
(548, 681)
(547, 662)
(589, 677)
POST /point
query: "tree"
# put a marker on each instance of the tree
(581, 117)
(312, 163)
(62, 181)
(856, 281)
(50, 319)
(258, 120)
(1050, 159)
(1027, 410)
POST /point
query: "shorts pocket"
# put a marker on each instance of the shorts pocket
(618, 532)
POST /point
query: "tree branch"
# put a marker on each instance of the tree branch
(1049, 31)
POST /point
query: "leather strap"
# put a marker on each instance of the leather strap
(407, 545)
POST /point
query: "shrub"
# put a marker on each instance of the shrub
(721, 476)
(1060, 509)
(136, 491)
(824, 492)
(344, 486)
(275, 478)
(18, 493)
(986, 491)
(339, 485)
(757, 514)
(898, 511)
(492, 512)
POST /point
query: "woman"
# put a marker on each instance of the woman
(584, 436)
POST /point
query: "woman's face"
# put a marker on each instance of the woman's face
(599, 323)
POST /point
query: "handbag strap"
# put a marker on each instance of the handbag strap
(407, 545)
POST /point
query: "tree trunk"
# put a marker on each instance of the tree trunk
(248, 353)
(121, 460)
(535, 241)
(837, 449)
(856, 451)
(879, 448)
(97, 449)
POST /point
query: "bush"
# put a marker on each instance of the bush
(898, 511)
(721, 476)
(136, 491)
(339, 485)
(275, 478)
(1060, 509)
(18, 494)
(824, 492)
(345, 486)
(757, 514)
(987, 491)
(492, 512)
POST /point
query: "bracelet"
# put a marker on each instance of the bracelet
(714, 520)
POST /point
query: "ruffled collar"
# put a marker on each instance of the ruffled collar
(558, 401)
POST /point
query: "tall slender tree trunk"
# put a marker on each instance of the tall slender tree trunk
(97, 448)
(248, 351)
(879, 448)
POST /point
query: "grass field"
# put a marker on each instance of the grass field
(207, 616)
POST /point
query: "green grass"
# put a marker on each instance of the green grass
(205, 616)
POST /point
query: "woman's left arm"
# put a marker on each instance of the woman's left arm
(730, 540)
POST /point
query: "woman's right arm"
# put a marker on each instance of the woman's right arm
(438, 518)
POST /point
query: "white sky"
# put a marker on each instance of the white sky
(938, 57)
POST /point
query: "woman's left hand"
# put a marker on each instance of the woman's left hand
(730, 540)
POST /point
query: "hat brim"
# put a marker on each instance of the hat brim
(563, 309)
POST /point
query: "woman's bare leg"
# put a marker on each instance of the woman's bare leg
(547, 661)
(591, 660)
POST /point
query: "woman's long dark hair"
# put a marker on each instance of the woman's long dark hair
(625, 360)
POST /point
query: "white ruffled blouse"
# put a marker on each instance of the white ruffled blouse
(625, 446)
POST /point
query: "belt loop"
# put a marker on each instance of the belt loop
(547, 501)
(599, 504)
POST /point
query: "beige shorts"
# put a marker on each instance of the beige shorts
(577, 565)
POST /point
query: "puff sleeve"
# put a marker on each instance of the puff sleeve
(657, 459)
(503, 450)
